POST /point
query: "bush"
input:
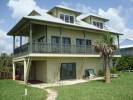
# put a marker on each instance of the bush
(113, 70)
(124, 63)
(101, 73)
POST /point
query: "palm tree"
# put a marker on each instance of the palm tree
(106, 48)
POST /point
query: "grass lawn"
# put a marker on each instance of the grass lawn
(10, 90)
(121, 88)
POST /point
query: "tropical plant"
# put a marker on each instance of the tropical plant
(106, 48)
(5, 60)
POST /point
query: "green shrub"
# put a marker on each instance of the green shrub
(113, 70)
(124, 63)
(101, 73)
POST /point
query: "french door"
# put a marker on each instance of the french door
(68, 71)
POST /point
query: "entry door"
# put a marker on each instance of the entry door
(68, 71)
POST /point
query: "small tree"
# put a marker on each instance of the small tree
(106, 48)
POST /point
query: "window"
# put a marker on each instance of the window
(101, 25)
(67, 18)
(55, 40)
(98, 24)
(62, 17)
(66, 41)
(94, 23)
(80, 42)
(71, 19)
(88, 42)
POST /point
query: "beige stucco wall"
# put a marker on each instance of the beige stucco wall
(53, 66)
(38, 71)
(73, 34)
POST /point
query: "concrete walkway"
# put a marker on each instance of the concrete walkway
(52, 94)
(62, 83)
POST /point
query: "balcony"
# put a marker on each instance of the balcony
(39, 47)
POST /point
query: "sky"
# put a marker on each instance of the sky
(120, 13)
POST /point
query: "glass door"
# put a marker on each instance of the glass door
(68, 71)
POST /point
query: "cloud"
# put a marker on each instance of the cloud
(80, 7)
(5, 42)
(2, 21)
(117, 21)
(85, 9)
(21, 8)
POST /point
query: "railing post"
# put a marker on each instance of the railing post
(30, 37)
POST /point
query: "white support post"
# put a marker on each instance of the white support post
(13, 65)
(25, 71)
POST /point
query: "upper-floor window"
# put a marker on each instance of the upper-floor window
(98, 24)
(71, 19)
(66, 41)
(67, 18)
(80, 42)
(88, 42)
(55, 40)
(83, 42)
(62, 16)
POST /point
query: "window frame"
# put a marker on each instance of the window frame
(69, 21)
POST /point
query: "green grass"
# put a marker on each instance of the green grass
(11, 90)
(121, 88)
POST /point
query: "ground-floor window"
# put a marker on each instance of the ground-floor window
(68, 71)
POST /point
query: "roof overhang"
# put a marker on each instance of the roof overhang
(17, 28)
(25, 21)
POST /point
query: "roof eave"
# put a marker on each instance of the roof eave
(17, 25)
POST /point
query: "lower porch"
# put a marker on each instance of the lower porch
(54, 69)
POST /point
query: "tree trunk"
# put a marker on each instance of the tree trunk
(107, 72)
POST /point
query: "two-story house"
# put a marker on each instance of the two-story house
(57, 45)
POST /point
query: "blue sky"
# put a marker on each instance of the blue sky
(120, 13)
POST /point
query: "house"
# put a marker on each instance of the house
(126, 47)
(58, 45)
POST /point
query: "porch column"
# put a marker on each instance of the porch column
(85, 42)
(25, 71)
(14, 67)
(61, 39)
(20, 40)
(13, 44)
(30, 37)
(118, 43)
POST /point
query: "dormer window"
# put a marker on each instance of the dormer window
(67, 18)
(71, 19)
(62, 16)
(98, 24)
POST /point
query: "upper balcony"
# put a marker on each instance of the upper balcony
(40, 47)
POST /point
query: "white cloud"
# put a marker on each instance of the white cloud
(2, 21)
(117, 22)
(84, 9)
(80, 7)
(22, 7)
(5, 42)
